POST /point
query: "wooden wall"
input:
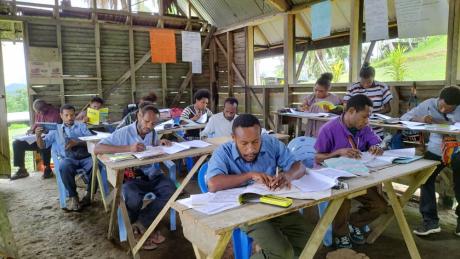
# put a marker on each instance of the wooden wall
(79, 59)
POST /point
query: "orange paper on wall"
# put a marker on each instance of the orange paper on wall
(163, 46)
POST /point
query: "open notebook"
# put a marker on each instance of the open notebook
(397, 156)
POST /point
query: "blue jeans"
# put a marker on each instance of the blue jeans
(134, 192)
(69, 168)
(428, 204)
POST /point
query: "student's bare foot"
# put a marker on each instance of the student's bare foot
(157, 237)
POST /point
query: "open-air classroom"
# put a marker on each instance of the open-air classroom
(230, 129)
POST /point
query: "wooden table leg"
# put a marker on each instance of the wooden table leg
(115, 202)
(298, 127)
(276, 121)
(399, 214)
(165, 209)
(101, 189)
(320, 229)
(386, 219)
(219, 249)
(93, 175)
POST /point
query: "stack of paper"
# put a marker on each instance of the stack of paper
(98, 136)
(149, 152)
(353, 166)
(321, 180)
(398, 156)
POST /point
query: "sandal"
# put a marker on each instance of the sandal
(152, 241)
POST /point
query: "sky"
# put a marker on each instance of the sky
(13, 63)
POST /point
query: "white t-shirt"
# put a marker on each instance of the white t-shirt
(218, 126)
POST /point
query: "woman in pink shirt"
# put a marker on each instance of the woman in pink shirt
(321, 93)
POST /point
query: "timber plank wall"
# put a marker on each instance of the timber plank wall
(79, 59)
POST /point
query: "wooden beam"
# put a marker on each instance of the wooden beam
(5, 165)
(59, 45)
(280, 5)
(289, 54)
(356, 39)
(230, 77)
(302, 62)
(127, 74)
(212, 76)
(188, 77)
(453, 44)
(249, 67)
(235, 68)
(369, 51)
(132, 66)
(97, 46)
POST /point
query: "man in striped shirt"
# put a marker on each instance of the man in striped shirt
(378, 92)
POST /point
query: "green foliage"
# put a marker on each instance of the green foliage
(398, 68)
(337, 70)
(17, 102)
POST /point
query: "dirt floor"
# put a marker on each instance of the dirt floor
(42, 230)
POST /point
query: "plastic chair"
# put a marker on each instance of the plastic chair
(63, 193)
(303, 150)
(242, 243)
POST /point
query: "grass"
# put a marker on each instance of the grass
(15, 130)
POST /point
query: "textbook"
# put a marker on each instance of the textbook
(350, 165)
(322, 179)
(96, 117)
(323, 104)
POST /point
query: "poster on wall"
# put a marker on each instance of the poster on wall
(321, 20)
(376, 18)
(163, 46)
(44, 66)
(420, 18)
(191, 50)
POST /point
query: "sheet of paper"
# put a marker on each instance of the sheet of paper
(309, 195)
(376, 18)
(262, 189)
(413, 123)
(420, 18)
(230, 195)
(214, 208)
(197, 66)
(149, 152)
(403, 152)
(333, 173)
(30, 139)
(313, 182)
(201, 199)
(174, 148)
(321, 17)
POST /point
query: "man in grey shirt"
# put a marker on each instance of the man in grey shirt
(442, 110)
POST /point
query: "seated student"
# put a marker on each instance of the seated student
(72, 153)
(444, 110)
(131, 116)
(44, 112)
(95, 103)
(349, 135)
(322, 87)
(221, 124)
(197, 112)
(255, 157)
(133, 138)
(378, 92)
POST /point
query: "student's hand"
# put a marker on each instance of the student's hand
(326, 108)
(261, 178)
(137, 147)
(349, 152)
(71, 143)
(428, 119)
(376, 150)
(197, 116)
(303, 107)
(165, 142)
(85, 119)
(38, 132)
(30, 132)
(279, 182)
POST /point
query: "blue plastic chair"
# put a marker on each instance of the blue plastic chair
(303, 150)
(242, 243)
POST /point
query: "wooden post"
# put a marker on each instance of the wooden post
(230, 76)
(131, 64)
(453, 44)
(249, 67)
(59, 45)
(5, 166)
(369, 51)
(356, 39)
(97, 37)
(266, 106)
(302, 61)
(212, 76)
(289, 55)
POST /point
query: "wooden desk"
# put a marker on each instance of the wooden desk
(115, 175)
(310, 116)
(210, 234)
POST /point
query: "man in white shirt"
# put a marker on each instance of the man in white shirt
(220, 124)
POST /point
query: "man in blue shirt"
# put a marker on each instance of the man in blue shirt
(255, 157)
(71, 152)
(442, 110)
(134, 138)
